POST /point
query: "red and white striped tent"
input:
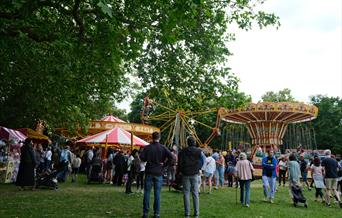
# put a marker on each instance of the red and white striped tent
(11, 134)
(116, 136)
(111, 118)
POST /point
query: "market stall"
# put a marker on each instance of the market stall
(10, 143)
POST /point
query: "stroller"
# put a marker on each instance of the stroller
(95, 174)
(47, 179)
(297, 195)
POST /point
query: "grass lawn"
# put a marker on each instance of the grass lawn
(97, 200)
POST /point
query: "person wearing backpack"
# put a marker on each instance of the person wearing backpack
(189, 160)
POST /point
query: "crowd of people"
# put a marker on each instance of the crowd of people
(190, 169)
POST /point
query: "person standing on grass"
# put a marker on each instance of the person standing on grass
(75, 164)
(269, 176)
(304, 171)
(141, 175)
(330, 168)
(244, 170)
(27, 166)
(155, 156)
(317, 176)
(219, 174)
(189, 160)
(209, 169)
(282, 170)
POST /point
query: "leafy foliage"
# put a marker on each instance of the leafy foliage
(328, 125)
(281, 96)
(69, 61)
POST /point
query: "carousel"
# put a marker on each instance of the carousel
(110, 122)
(267, 122)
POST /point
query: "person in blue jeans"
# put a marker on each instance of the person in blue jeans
(269, 176)
(244, 170)
(155, 156)
(189, 164)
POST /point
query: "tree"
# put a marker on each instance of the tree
(281, 96)
(328, 124)
(68, 61)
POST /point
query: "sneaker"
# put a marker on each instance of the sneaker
(328, 205)
(271, 201)
(265, 199)
(156, 216)
(247, 205)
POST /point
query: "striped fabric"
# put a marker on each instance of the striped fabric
(111, 118)
(11, 134)
(115, 136)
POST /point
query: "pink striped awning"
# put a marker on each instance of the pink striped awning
(11, 134)
(111, 118)
(116, 136)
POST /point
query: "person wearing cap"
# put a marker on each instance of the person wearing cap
(244, 170)
(269, 176)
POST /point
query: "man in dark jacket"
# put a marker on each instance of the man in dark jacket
(189, 160)
(155, 155)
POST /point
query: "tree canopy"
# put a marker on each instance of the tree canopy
(280, 96)
(68, 61)
(328, 124)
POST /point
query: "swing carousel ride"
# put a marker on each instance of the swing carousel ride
(267, 122)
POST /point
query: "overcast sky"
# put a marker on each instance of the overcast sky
(304, 54)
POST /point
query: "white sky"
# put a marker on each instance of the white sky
(304, 54)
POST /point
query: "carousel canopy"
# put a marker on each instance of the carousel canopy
(11, 134)
(34, 134)
(111, 118)
(116, 136)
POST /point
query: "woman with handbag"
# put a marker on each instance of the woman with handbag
(244, 173)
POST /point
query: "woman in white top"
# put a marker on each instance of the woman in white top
(208, 168)
(317, 175)
(282, 170)
(244, 170)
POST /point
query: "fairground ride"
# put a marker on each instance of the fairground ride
(267, 122)
(177, 124)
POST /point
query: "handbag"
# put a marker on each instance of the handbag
(253, 177)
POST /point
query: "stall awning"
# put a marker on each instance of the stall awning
(11, 134)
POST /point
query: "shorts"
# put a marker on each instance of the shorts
(331, 183)
(206, 174)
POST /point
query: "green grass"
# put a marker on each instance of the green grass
(97, 200)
